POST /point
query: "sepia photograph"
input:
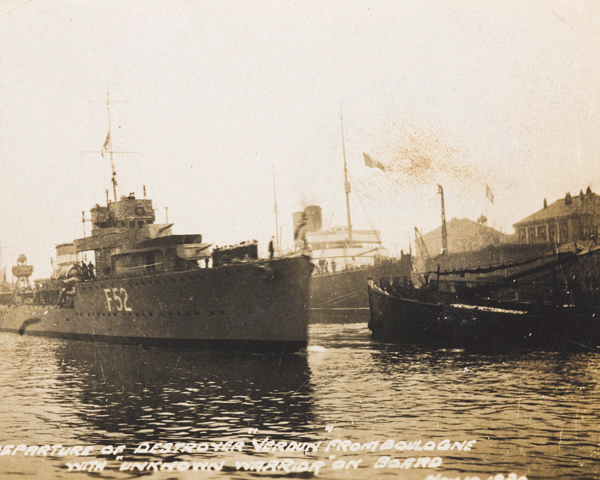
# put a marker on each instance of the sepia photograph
(332, 239)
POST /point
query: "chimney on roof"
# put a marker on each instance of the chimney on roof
(581, 197)
(545, 203)
(568, 199)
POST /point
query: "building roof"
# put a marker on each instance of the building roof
(461, 228)
(582, 204)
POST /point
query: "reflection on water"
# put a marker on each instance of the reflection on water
(143, 394)
(535, 414)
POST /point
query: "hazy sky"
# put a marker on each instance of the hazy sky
(213, 93)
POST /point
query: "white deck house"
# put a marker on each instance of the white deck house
(332, 245)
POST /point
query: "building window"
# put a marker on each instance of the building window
(541, 234)
(563, 234)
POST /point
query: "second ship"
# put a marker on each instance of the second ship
(345, 259)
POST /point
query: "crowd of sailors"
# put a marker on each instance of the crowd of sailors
(87, 271)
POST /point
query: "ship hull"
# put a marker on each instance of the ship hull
(506, 327)
(255, 305)
(342, 297)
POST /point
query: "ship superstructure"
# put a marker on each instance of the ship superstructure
(150, 286)
(125, 241)
(331, 250)
(147, 285)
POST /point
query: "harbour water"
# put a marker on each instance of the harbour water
(347, 408)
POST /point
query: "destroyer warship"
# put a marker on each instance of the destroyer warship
(150, 286)
(147, 285)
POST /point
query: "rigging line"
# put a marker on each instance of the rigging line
(330, 218)
(13, 9)
(367, 213)
(341, 299)
(569, 255)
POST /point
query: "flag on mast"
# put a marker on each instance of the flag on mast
(369, 162)
(106, 145)
(489, 194)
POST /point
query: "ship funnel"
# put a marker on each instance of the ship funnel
(311, 216)
(314, 222)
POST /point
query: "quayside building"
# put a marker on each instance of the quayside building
(569, 220)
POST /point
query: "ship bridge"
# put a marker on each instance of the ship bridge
(125, 240)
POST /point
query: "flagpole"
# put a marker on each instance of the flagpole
(107, 147)
(444, 231)
(277, 246)
(347, 187)
(112, 163)
(486, 211)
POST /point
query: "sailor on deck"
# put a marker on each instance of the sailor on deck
(271, 249)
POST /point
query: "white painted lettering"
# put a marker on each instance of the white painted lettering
(387, 445)
(353, 463)
(115, 292)
(142, 448)
(20, 448)
(126, 307)
(6, 450)
(458, 445)
(31, 450)
(108, 299)
(444, 445)
(86, 451)
(469, 446)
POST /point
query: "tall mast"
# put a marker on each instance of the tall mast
(107, 147)
(444, 232)
(346, 184)
(277, 246)
(107, 143)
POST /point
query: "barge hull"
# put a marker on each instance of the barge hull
(414, 322)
